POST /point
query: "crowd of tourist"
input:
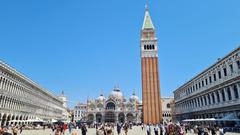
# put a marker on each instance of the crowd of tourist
(169, 128)
(14, 130)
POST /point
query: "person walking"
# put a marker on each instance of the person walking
(148, 129)
(5, 131)
(84, 130)
(119, 128)
(221, 131)
(15, 130)
(142, 126)
(126, 128)
(21, 129)
(70, 127)
(156, 129)
(58, 132)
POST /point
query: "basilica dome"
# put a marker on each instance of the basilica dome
(134, 98)
(101, 98)
(116, 93)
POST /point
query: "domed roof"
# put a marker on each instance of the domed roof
(134, 97)
(101, 98)
(116, 93)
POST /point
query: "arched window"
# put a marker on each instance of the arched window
(209, 100)
(145, 47)
(235, 89)
(229, 94)
(168, 105)
(153, 47)
(218, 97)
(213, 98)
(223, 95)
(148, 47)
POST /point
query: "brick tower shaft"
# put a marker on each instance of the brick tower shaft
(152, 110)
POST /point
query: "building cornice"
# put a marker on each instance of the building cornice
(13, 71)
(209, 68)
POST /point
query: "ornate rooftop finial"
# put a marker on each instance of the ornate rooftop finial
(133, 92)
(101, 93)
(146, 6)
(62, 93)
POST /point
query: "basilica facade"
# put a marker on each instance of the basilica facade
(114, 108)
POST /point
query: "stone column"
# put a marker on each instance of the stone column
(226, 94)
(207, 103)
(203, 102)
(200, 102)
(235, 67)
(193, 104)
(220, 95)
(238, 87)
(210, 95)
(232, 92)
(215, 97)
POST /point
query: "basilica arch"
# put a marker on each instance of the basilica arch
(110, 105)
(98, 117)
(90, 118)
(121, 117)
(130, 117)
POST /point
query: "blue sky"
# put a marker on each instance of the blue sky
(86, 47)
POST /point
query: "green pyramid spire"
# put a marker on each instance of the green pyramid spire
(147, 23)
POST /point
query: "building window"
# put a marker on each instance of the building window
(229, 94)
(206, 81)
(213, 98)
(238, 64)
(168, 105)
(218, 97)
(198, 102)
(210, 79)
(214, 77)
(153, 47)
(203, 83)
(199, 85)
(223, 95)
(201, 101)
(225, 71)
(193, 88)
(145, 47)
(196, 86)
(209, 99)
(205, 100)
(148, 47)
(235, 89)
(219, 75)
(231, 68)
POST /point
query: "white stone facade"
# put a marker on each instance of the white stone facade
(65, 113)
(166, 108)
(79, 111)
(214, 93)
(21, 99)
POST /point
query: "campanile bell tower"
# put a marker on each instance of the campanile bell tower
(152, 109)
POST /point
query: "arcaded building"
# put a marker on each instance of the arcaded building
(214, 93)
(22, 100)
(152, 110)
(114, 108)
